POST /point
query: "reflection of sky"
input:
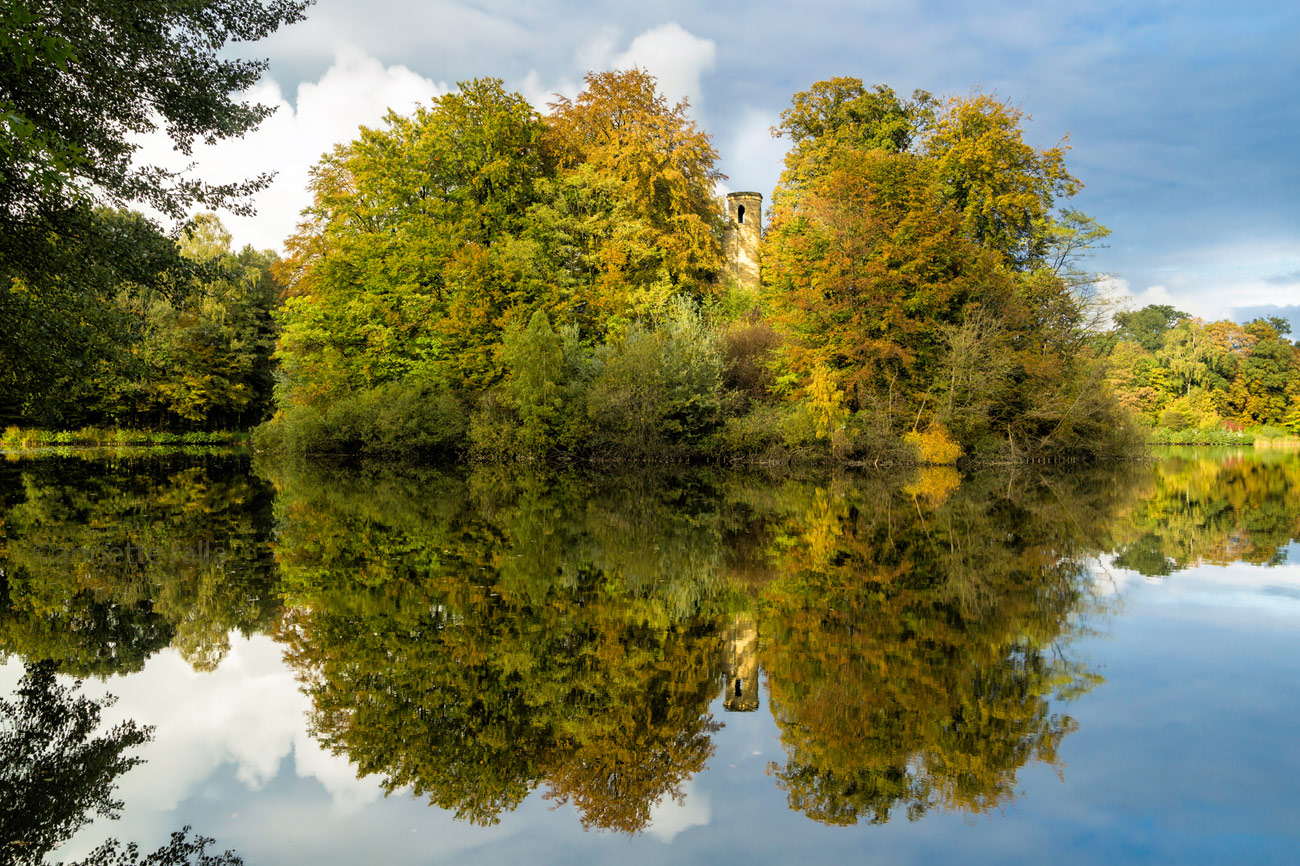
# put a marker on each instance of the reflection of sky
(1185, 754)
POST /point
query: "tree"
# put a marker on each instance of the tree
(1004, 189)
(915, 256)
(662, 170)
(78, 83)
(410, 264)
(1147, 327)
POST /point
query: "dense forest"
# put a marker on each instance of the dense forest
(480, 279)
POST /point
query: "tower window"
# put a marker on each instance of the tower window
(740, 214)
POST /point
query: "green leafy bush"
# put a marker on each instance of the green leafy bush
(396, 418)
(657, 392)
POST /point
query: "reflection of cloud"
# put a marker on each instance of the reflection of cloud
(1239, 586)
(669, 817)
(248, 712)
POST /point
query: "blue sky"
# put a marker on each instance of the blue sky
(1182, 117)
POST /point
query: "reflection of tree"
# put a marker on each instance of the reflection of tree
(56, 774)
(58, 771)
(107, 562)
(1202, 508)
(475, 638)
(912, 643)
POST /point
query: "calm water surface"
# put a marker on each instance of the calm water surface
(369, 664)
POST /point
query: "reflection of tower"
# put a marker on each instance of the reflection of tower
(740, 664)
(744, 231)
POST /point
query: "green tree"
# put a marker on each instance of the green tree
(410, 264)
(77, 84)
(620, 133)
(1147, 327)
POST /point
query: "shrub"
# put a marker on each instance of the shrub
(656, 392)
(539, 408)
(1267, 431)
(747, 350)
(754, 434)
(394, 418)
(1176, 418)
(819, 415)
(934, 446)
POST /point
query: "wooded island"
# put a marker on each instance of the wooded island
(481, 280)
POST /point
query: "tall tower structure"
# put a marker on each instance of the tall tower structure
(744, 231)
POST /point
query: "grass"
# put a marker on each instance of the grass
(17, 437)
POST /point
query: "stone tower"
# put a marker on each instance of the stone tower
(740, 243)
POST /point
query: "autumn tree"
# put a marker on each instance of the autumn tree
(916, 259)
(621, 135)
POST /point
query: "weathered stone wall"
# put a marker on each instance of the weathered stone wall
(744, 231)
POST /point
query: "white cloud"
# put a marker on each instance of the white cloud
(675, 57)
(356, 90)
(1120, 294)
(751, 157)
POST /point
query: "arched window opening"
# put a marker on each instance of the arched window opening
(740, 214)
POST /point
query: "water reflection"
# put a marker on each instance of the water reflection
(474, 637)
(58, 770)
(105, 562)
(514, 632)
(1218, 507)
(913, 640)
(507, 633)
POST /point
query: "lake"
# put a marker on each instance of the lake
(350, 664)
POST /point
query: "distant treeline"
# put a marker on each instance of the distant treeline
(1180, 374)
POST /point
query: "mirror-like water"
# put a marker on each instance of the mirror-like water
(343, 665)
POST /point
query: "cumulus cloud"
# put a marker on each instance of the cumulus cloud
(673, 55)
(356, 90)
